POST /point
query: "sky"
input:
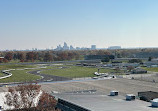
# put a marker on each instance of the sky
(27, 24)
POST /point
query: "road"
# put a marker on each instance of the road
(49, 78)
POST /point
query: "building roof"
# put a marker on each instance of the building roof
(96, 102)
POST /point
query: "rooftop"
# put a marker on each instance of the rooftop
(97, 102)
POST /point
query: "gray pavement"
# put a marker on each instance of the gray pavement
(124, 86)
(49, 78)
(104, 102)
(100, 100)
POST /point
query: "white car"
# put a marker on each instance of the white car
(95, 77)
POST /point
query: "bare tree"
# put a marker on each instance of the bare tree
(23, 96)
(30, 98)
(47, 103)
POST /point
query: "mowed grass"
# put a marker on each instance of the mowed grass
(75, 71)
(1, 74)
(154, 69)
(19, 75)
(15, 66)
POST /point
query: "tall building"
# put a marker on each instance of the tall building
(71, 47)
(93, 47)
(65, 47)
(59, 47)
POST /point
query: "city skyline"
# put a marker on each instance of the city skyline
(67, 47)
(42, 24)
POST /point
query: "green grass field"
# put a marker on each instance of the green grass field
(18, 75)
(1, 74)
(15, 66)
(70, 71)
(154, 69)
(75, 71)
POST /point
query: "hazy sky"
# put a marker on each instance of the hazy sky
(26, 24)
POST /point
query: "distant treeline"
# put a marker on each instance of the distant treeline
(47, 56)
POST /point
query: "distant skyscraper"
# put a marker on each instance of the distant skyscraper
(65, 44)
(71, 47)
(93, 47)
(65, 47)
(59, 47)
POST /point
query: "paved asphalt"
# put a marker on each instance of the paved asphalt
(49, 78)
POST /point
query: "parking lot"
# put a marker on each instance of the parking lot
(124, 86)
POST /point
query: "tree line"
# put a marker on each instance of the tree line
(48, 56)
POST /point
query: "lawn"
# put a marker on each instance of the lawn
(1, 74)
(75, 71)
(154, 69)
(15, 66)
(18, 75)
